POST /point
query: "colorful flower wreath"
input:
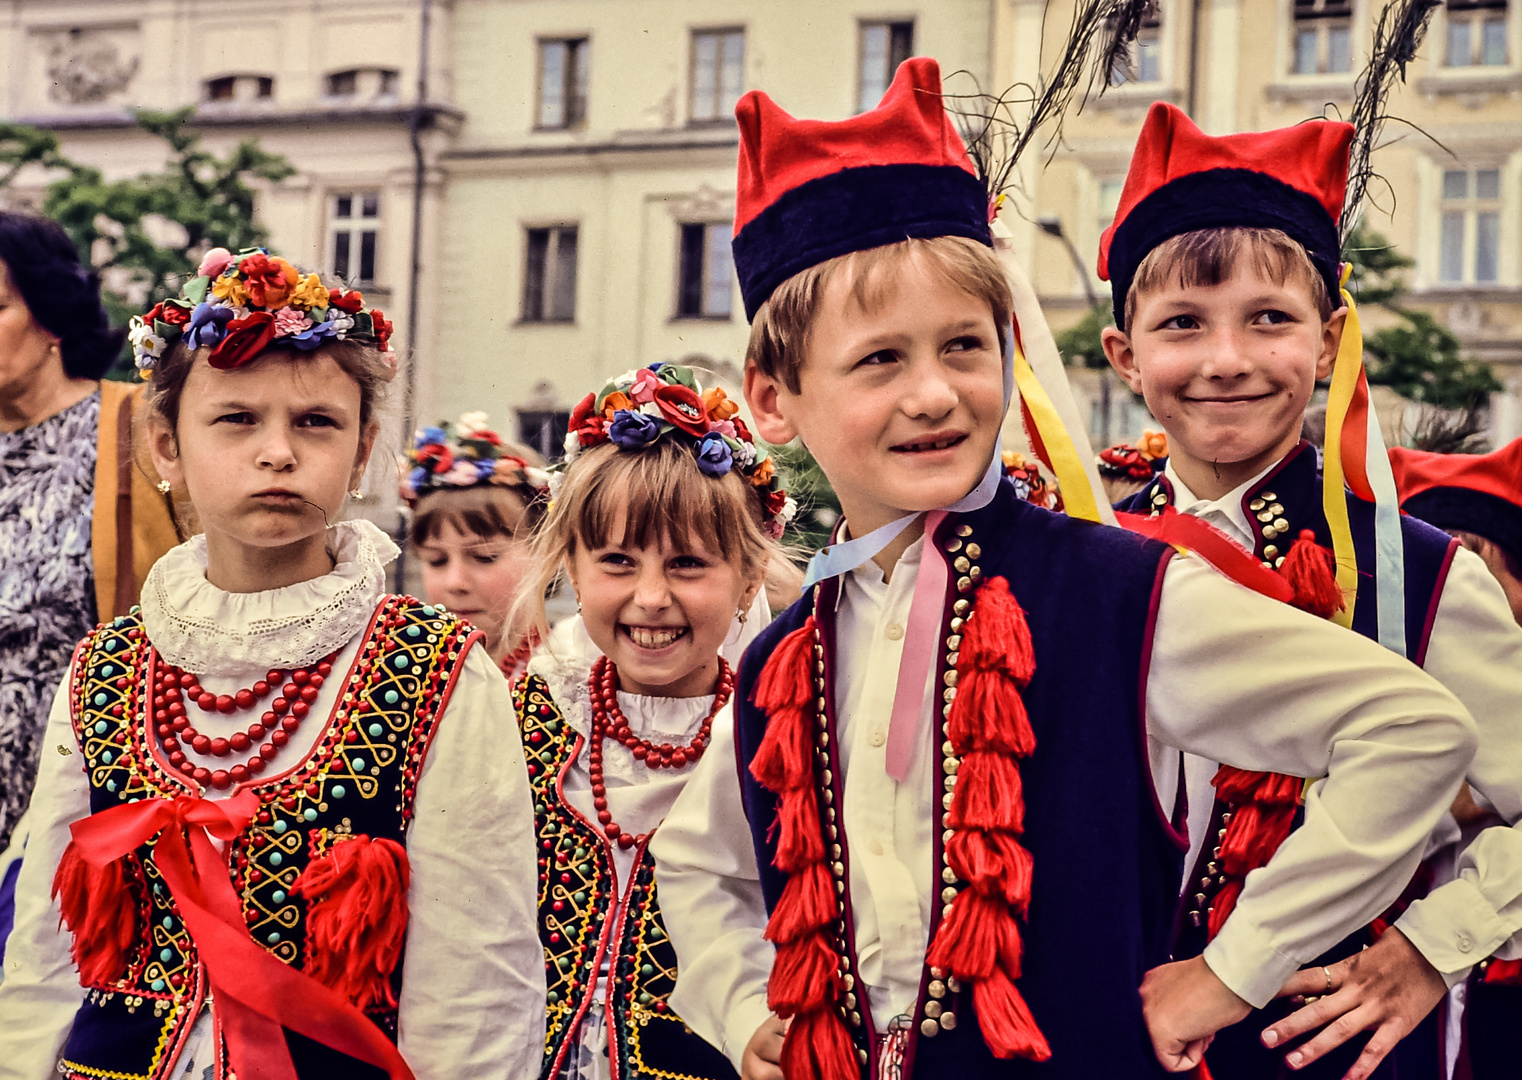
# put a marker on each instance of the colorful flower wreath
(239, 305)
(465, 455)
(1029, 484)
(650, 403)
(1137, 462)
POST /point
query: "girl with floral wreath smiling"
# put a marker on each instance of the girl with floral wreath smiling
(273, 787)
(664, 520)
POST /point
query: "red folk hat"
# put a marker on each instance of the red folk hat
(809, 190)
(1478, 493)
(1181, 180)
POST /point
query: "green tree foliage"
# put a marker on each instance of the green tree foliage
(145, 232)
(1079, 344)
(818, 507)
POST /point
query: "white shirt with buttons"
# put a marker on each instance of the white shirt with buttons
(1475, 650)
(1219, 686)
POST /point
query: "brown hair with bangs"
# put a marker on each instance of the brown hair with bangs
(1210, 256)
(654, 494)
(779, 335)
(484, 510)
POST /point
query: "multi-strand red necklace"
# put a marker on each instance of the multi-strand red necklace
(514, 661)
(172, 688)
(609, 720)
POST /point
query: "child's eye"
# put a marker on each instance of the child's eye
(688, 562)
(436, 562)
(235, 418)
(965, 344)
(1181, 322)
(877, 359)
(1273, 318)
(317, 420)
(485, 558)
(615, 560)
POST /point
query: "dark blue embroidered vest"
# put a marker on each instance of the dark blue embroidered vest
(359, 780)
(577, 902)
(1285, 501)
(1105, 855)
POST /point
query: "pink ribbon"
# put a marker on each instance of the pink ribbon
(922, 639)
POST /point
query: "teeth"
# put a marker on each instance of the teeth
(654, 639)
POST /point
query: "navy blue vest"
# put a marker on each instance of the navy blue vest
(1106, 858)
(1279, 506)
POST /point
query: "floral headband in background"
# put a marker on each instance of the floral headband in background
(464, 455)
(666, 401)
(1137, 462)
(1029, 483)
(239, 305)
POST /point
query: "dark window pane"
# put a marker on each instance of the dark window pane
(544, 430)
(689, 297)
(705, 76)
(901, 46)
(220, 89)
(367, 255)
(343, 206)
(565, 275)
(734, 73)
(266, 86)
(1487, 246)
(533, 275)
(874, 66)
(341, 255)
(343, 83)
(1455, 184)
(371, 205)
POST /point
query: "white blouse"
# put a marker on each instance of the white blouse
(472, 1000)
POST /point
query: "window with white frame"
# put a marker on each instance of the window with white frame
(1323, 37)
(563, 82)
(1471, 232)
(549, 274)
(884, 46)
(240, 88)
(363, 84)
(1108, 202)
(1145, 62)
(1476, 33)
(705, 279)
(353, 229)
(718, 73)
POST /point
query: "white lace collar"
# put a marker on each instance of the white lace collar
(205, 630)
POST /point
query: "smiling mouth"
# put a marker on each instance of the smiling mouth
(654, 637)
(1234, 399)
(925, 445)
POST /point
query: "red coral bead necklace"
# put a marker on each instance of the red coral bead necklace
(609, 720)
(173, 688)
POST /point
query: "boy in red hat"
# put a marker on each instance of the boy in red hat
(940, 848)
(1224, 260)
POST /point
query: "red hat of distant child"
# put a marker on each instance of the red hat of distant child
(1477, 493)
(1182, 179)
(810, 190)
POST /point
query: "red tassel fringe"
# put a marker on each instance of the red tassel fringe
(1504, 972)
(99, 906)
(993, 863)
(1311, 571)
(1009, 1029)
(807, 903)
(818, 1047)
(356, 917)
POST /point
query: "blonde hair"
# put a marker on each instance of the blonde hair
(779, 333)
(1211, 256)
(654, 494)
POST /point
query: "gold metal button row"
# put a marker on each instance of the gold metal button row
(1214, 877)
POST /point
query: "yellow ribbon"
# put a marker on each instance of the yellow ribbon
(1334, 503)
(1072, 481)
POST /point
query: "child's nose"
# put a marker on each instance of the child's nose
(1227, 356)
(276, 453)
(651, 590)
(930, 393)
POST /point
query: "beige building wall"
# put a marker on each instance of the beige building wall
(1241, 77)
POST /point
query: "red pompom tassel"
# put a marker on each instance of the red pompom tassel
(785, 680)
(1311, 571)
(1504, 972)
(971, 936)
(1225, 902)
(1254, 834)
(800, 842)
(992, 863)
(98, 905)
(782, 761)
(356, 917)
(803, 976)
(1008, 1027)
(818, 1047)
(997, 637)
(806, 904)
(989, 714)
(988, 794)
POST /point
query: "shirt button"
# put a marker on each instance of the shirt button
(894, 631)
(878, 738)
(1465, 944)
(875, 847)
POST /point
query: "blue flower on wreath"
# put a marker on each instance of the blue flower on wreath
(418, 478)
(208, 325)
(484, 470)
(633, 430)
(312, 336)
(431, 435)
(715, 458)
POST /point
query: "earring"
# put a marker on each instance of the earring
(578, 605)
(163, 486)
(742, 615)
(356, 494)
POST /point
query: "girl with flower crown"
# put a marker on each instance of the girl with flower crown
(274, 788)
(664, 520)
(475, 499)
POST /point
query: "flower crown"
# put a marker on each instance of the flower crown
(1028, 482)
(1137, 462)
(465, 455)
(241, 304)
(665, 400)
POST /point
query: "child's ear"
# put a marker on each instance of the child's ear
(362, 457)
(1122, 357)
(164, 449)
(765, 395)
(1331, 341)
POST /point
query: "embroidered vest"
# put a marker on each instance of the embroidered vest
(1286, 500)
(581, 933)
(1105, 857)
(360, 779)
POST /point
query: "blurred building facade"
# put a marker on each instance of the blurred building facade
(1450, 196)
(557, 176)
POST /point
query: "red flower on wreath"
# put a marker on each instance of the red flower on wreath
(435, 457)
(741, 430)
(350, 301)
(593, 430)
(173, 314)
(775, 501)
(383, 328)
(246, 338)
(1127, 460)
(683, 408)
(269, 281)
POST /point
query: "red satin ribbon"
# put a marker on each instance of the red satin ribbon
(269, 994)
(1212, 545)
